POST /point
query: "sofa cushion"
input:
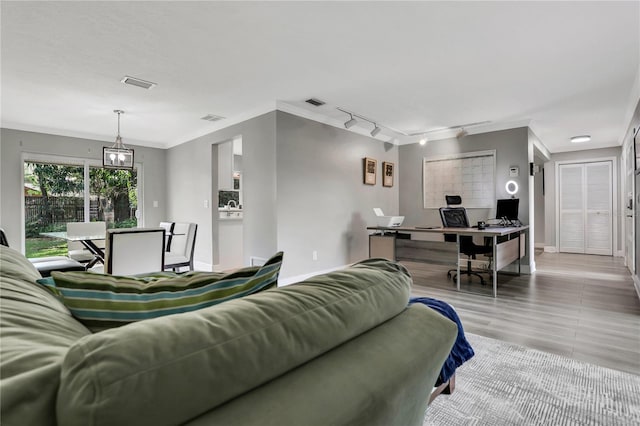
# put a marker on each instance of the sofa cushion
(382, 378)
(35, 333)
(104, 301)
(171, 369)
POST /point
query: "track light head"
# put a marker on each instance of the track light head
(350, 123)
(375, 130)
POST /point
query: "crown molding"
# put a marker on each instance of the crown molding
(75, 134)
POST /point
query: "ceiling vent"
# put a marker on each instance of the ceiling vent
(138, 82)
(315, 102)
(211, 117)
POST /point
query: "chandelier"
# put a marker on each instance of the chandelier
(118, 156)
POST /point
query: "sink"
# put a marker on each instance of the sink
(230, 214)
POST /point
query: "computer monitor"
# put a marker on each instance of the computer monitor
(507, 208)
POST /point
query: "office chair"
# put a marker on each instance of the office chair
(456, 217)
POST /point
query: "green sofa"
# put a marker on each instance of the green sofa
(337, 349)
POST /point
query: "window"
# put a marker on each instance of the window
(63, 190)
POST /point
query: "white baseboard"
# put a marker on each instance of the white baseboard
(538, 245)
(553, 249)
(296, 279)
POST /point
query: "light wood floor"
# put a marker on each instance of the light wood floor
(581, 306)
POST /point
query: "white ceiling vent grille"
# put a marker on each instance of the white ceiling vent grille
(211, 117)
(133, 81)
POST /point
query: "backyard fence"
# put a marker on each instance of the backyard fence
(52, 210)
(44, 212)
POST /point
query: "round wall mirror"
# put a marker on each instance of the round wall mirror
(511, 187)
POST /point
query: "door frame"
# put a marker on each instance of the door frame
(614, 204)
(627, 159)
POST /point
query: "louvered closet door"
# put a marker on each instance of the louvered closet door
(586, 208)
(598, 208)
(571, 208)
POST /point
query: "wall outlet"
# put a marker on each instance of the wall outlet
(206, 204)
(314, 255)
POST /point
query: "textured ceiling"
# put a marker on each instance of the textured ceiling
(565, 68)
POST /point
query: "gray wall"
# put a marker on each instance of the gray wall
(550, 188)
(511, 150)
(191, 179)
(537, 185)
(15, 142)
(322, 203)
(538, 205)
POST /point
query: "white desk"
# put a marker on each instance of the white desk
(504, 253)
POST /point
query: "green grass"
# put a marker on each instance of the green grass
(42, 247)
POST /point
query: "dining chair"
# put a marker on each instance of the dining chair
(182, 246)
(168, 237)
(76, 250)
(132, 251)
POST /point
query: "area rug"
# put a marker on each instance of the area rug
(508, 384)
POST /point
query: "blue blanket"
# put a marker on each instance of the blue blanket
(462, 350)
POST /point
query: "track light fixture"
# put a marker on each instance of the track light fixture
(461, 133)
(350, 123)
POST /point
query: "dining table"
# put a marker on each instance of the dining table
(88, 241)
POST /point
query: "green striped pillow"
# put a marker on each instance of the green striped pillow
(104, 301)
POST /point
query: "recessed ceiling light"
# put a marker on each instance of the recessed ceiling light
(580, 139)
(423, 141)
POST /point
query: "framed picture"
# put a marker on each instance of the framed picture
(370, 168)
(387, 174)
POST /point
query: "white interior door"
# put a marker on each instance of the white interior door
(598, 208)
(571, 208)
(586, 208)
